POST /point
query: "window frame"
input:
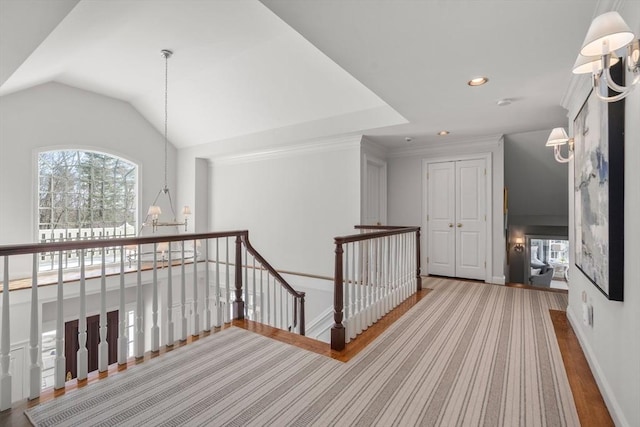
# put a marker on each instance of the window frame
(95, 259)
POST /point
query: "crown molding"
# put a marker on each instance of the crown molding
(307, 147)
(375, 149)
(484, 143)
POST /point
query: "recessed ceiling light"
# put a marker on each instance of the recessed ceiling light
(443, 133)
(477, 81)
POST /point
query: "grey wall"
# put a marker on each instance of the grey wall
(538, 197)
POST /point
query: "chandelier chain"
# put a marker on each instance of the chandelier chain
(166, 142)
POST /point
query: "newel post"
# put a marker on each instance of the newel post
(337, 330)
(302, 327)
(238, 304)
(418, 278)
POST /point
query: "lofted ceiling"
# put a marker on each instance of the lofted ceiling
(244, 68)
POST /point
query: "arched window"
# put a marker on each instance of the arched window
(84, 195)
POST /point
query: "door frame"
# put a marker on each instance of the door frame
(366, 159)
(488, 207)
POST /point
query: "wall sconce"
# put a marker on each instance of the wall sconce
(519, 244)
(557, 139)
(608, 33)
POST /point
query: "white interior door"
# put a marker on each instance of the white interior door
(470, 219)
(375, 203)
(456, 202)
(441, 218)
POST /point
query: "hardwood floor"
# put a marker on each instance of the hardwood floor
(536, 288)
(319, 347)
(589, 403)
(592, 410)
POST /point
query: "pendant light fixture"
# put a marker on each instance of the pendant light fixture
(154, 211)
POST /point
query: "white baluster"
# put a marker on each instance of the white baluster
(227, 313)
(59, 373)
(405, 266)
(398, 266)
(139, 340)
(268, 299)
(207, 297)
(354, 289)
(217, 288)
(103, 347)
(383, 282)
(386, 305)
(389, 289)
(245, 284)
(347, 301)
(414, 265)
(123, 341)
(155, 330)
(82, 356)
(287, 298)
(374, 281)
(253, 302)
(196, 315)
(281, 303)
(170, 324)
(35, 371)
(183, 298)
(371, 278)
(5, 343)
(261, 296)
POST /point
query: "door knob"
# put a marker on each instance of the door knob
(450, 225)
(459, 224)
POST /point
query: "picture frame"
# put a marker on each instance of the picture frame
(598, 131)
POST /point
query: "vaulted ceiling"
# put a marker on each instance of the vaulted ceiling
(244, 68)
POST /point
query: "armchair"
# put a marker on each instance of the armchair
(544, 278)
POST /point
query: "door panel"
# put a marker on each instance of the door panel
(373, 193)
(470, 219)
(93, 339)
(457, 219)
(441, 232)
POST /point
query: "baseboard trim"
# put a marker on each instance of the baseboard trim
(498, 280)
(605, 389)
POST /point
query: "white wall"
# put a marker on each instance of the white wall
(612, 345)
(405, 190)
(55, 116)
(293, 201)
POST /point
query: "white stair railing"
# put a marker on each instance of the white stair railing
(374, 272)
(284, 308)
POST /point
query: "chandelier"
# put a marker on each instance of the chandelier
(154, 211)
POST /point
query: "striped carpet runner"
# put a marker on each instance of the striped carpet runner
(466, 354)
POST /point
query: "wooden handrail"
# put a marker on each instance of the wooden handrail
(388, 232)
(31, 248)
(380, 227)
(272, 270)
(278, 277)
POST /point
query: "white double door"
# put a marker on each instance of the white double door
(456, 205)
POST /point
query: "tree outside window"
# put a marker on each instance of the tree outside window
(84, 195)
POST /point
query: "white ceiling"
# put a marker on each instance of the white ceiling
(245, 68)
